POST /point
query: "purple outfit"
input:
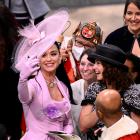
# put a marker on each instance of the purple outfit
(42, 113)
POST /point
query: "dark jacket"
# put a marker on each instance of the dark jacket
(122, 38)
(10, 107)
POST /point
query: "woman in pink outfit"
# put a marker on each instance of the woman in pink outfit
(46, 99)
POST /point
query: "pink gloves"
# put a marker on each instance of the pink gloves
(31, 66)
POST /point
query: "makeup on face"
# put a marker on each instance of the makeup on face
(132, 18)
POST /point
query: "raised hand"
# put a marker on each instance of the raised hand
(30, 67)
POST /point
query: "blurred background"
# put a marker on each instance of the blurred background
(107, 13)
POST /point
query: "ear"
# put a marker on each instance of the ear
(100, 114)
(134, 74)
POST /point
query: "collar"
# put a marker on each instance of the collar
(125, 126)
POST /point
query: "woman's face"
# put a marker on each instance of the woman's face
(50, 60)
(86, 69)
(98, 68)
(130, 66)
(132, 18)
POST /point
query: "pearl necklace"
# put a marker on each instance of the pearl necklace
(51, 84)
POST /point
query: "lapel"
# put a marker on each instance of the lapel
(46, 98)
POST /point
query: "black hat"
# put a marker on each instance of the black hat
(110, 54)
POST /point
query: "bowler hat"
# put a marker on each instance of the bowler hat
(110, 54)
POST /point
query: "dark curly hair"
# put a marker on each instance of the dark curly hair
(117, 77)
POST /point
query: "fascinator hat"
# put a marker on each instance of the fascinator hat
(39, 38)
(110, 54)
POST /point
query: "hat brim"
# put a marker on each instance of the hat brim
(39, 38)
(94, 56)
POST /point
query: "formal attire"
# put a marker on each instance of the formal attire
(124, 129)
(42, 113)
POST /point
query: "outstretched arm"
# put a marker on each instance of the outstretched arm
(25, 90)
(88, 117)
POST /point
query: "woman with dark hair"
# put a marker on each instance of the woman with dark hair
(133, 64)
(128, 37)
(111, 74)
(10, 106)
(45, 96)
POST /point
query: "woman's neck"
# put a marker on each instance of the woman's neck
(136, 33)
(49, 76)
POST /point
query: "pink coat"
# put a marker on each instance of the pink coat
(42, 113)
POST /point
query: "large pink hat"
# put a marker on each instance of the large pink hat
(37, 39)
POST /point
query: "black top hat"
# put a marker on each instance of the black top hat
(110, 54)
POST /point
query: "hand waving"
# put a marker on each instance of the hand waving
(30, 67)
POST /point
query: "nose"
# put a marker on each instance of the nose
(85, 67)
(94, 66)
(48, 57)
(133, 17)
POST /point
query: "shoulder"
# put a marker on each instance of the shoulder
(78, 90)
(131, 98)
(134, 136)
(63, 85)
(92, 92)
(115, 34)
(94, 89)
(77, 83)
(118, 31)
(133, 90)
(33, 85)
(95, 86)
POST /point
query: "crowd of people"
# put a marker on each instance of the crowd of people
(77, 86)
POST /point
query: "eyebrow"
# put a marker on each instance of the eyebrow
(54, 51)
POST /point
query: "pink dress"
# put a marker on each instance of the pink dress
(42, 113)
